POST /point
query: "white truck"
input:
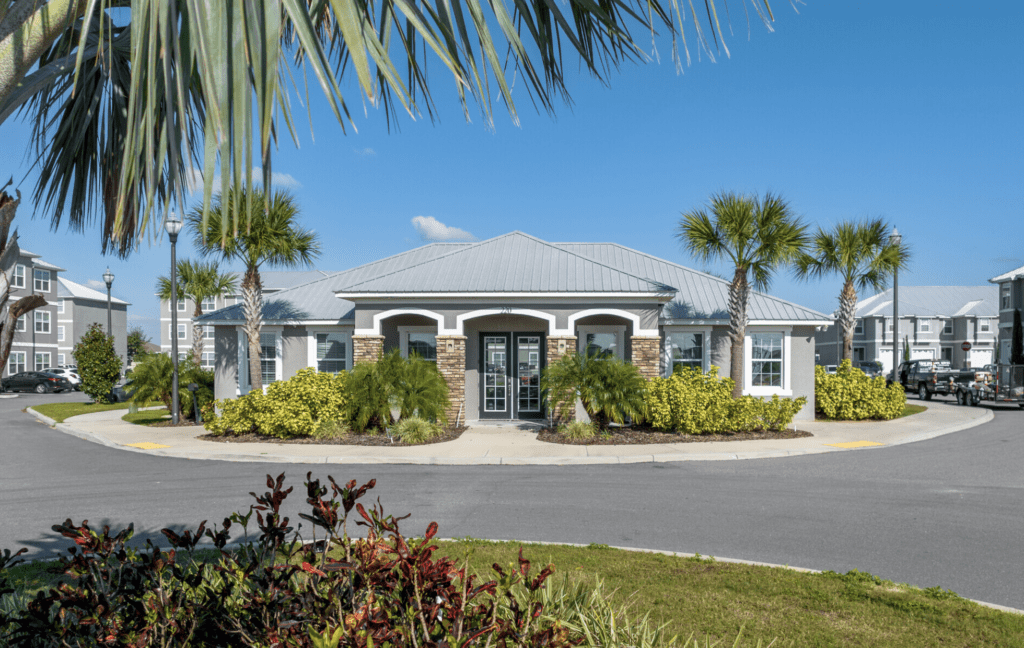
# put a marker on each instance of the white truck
(996, 383)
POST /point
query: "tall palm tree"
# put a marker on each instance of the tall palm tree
(758, 235)
(861, 254)
(269, 236)
(126, 95)
(198, 281)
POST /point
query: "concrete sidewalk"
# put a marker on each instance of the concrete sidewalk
(512, 445)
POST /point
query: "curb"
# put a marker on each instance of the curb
(709, 558)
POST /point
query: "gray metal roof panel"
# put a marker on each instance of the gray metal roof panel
(1012, 274)
(933, 301)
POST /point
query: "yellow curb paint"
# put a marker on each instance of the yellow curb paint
(146, 445)
(854, 444)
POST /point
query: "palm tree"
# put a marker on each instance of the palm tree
(271, 236)
(758, 235)
(861, 254)
(126, 95)
(198, 281)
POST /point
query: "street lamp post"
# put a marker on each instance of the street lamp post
(895, 239)
(108, 278)
(173, 226)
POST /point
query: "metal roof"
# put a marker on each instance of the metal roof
(68, 288)
(700, 295)
(511, 263)
(934, 301)
(1012, 274)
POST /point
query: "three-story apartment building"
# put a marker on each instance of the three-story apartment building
(1011, 298)
(936, 321)
(78, 307)
(35, 345)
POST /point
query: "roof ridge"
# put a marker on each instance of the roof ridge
(703, 274)
(507, 234)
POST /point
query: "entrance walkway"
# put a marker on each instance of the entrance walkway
(487, 443)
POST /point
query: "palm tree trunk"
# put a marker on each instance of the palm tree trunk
(739, 296)
(252, 295)
(197, 336)
(847, 318)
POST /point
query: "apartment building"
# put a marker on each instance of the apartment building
(1011, 298)
(78, 307)
(35, 345)
(935, 320)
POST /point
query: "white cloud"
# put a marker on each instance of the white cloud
(364, 151)
(96, 284)
(280, 180)
(431, 229)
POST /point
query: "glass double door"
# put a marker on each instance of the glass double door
(510, 375)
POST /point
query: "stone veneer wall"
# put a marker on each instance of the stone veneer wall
(367, 348)
(556, 348)
(647, 355)
(451, 363)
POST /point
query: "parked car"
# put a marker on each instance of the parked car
(40, 382)
(872, 368)
(927, 377)
(72, 376)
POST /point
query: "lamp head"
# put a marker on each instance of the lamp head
(172, 224)
(108, 277)
(895, 238)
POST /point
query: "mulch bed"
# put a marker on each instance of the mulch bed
(642, 436)
(449, 434)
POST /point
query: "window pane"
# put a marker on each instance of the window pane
(766, 359)
(16, 362)
(602, 345)
(208, 332)
(42, 361)
(687, 350)
(330, 352)
(268, 357)
(19, 277)
(207, 360)
(424, 345)
(41, 280)
(209, 304)
(181, 331)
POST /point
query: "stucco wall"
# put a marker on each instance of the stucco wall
(225, 370)
(802, 366)
(294, 349)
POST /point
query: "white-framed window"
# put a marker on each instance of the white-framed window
(207, 360)
(983, 325)
(686, 347)
(40, 280)
(60, 306)
(18, 279)
(60, 359)
(269, 363)
(42, 321)
(1004, 296)
(924, 326)
(60, 335)
(22, 324)
(181, 305)
(421, 340)
(767, 359)
(332, 352)
(858, 327)
(42, 360)
(946, 354)
(604, 340)
(947, 327)
(207, 332)
(181, 332)
(16, 362)
(209, 304)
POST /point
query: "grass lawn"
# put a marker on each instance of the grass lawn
(713, 601)
(909, 409)
(61, 411)
(147, 417)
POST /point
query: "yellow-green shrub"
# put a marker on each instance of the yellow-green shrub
(299, 406)
(694, 402)
(849, 395)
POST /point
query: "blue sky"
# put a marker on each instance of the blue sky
(909, 111)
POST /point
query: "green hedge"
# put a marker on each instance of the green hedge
(849, 395)
(694, 402)
(300, 406)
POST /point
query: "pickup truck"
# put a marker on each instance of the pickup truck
(927, 377)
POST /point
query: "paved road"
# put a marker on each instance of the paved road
(948, 511)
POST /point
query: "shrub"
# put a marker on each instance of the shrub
(299, 406)
(381, 590)
(608, 388)
(99, 366)
(416, 430)
(849, 395)
(152, 377)
(577, 430)
(413, 386)
(693, 402)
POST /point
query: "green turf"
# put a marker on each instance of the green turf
(147, 417)
(912, 409)
(61, 411)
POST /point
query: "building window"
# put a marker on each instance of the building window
(207, 332)
(41, 280)
(209, 304)
(686, 350)
(18, 279)
(207, 360)
(858, 327)
(16, 362)
(858, 354)
(181, 305)
(60, 333)
(888, 325)
(42, 321)
(1004, 299)
(602, 340)
(22, 324)
(766, 359)
(947, 354)
(268, 358)
(60, 306)
(332, 352)
(924, 326)
(947, 327)
(60, 359)
(983, 326)
(181, 331)
(421, 340)
(42, 361)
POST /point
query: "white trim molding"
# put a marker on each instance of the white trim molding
(379, 317)
(619, 330)
(666, 296)
(632, 317)
(311, 359)
(508, 310)
(787, 365)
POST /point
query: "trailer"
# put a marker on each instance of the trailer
(1001, 384)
